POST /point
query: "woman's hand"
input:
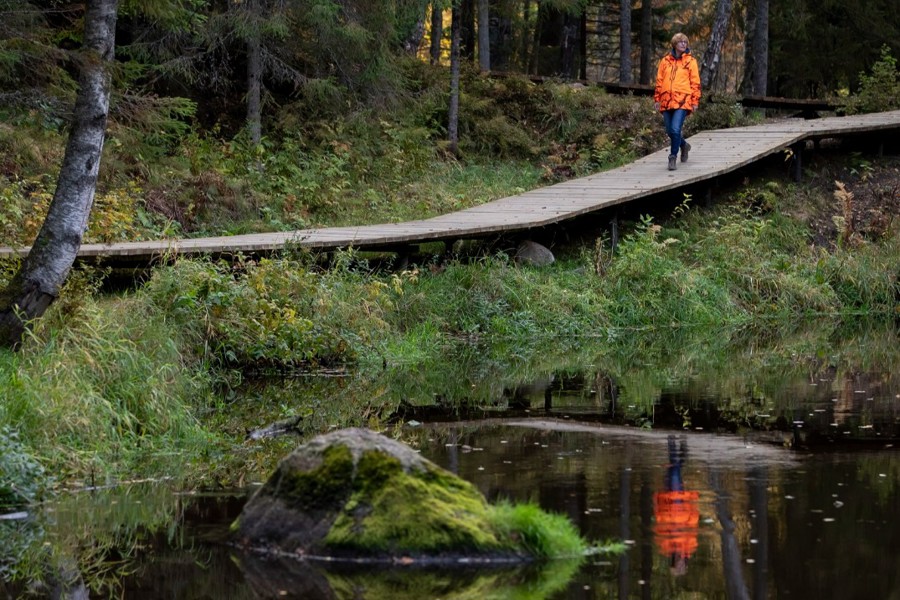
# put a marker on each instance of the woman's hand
(656, 106)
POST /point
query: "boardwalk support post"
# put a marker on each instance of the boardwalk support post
(613, 233)
(797, 166)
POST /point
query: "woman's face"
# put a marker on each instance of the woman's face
(681, 45)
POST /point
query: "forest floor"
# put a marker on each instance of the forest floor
(872, 199)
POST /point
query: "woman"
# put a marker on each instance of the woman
(677, 93)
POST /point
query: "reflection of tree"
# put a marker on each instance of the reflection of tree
(624, 518)
(759, 503)
(735, 586)
(646, 535)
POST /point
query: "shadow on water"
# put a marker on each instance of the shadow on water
(738, 466)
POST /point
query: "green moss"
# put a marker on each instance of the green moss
(374, 470)
(433, 511)
(391, 510)
(324, 487)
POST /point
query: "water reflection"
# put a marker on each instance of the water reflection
(760, 469)
(704, 516)
(713, 516)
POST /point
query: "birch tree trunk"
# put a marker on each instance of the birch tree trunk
(37, 283)
(625, 41)
(713, 55)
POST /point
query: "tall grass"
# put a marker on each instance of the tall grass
(112, 393)
(728, 266)
(545, 535)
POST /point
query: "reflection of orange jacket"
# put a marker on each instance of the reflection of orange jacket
(677, 82)
(677, 517)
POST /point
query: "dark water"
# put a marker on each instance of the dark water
(704, 515)
(779, 480)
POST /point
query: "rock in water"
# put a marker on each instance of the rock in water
(354, 492)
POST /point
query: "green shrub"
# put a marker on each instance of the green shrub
(878, 91)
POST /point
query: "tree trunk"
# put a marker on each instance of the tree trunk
(647, 71)
(713, 55)
(756, 45)
(453, 112)
(534, 58)
(526, 38)
(467, 29)
(484, 36)
(746, 87)
(501, 40)
(437, 32)
(761, 48)
(582, 46)
(37, 283)
(254, 83)
(414, 39)
(625, 41)
(569, 46)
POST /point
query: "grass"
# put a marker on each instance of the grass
(543, 534)
(110, 385)
(110, 394)
(724, 266)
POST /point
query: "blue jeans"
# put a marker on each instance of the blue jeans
(674, 120)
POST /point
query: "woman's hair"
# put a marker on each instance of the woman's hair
(679, 37)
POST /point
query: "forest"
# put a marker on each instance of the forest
(166, 119)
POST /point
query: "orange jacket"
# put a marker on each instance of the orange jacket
(677, 82)
(677, 522)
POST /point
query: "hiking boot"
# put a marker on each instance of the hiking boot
(672, 165)
(685, 148)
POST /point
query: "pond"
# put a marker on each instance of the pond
(769, 472)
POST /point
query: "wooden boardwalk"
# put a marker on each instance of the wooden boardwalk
(714, 153)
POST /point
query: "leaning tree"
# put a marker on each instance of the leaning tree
(37, 283)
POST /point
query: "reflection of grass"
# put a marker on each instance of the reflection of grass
(535, 582)
(746, 371)
(95, 537)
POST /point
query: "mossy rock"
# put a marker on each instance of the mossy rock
(357, 494)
